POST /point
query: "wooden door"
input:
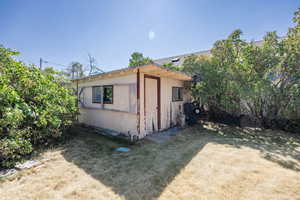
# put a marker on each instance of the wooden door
(152, 109)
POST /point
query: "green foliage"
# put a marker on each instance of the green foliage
(34, 108)
(137, 59)
(49, 70)
(172, 67)
(239, 77)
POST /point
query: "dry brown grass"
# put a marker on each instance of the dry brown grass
(200, 163)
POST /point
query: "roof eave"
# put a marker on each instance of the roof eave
(132, 69)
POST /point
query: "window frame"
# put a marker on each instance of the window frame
(93, 95)
(180, 89)
(112, 97)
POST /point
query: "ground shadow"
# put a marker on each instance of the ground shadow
(145, 172)
(277, 146)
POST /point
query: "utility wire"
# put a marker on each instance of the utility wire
(92, 65)
(50, 62)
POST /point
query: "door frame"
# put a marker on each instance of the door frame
(158, 99)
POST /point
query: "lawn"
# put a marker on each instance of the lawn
(209, 162)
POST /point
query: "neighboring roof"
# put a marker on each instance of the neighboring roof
(153, 69)
(178, 60)
(157, 65)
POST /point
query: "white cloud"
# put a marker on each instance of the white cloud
(151, 35)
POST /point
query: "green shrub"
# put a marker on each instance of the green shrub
(35, 108)
(259, 80)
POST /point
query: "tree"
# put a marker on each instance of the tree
(171, 66)
(34, 108)
(263, 81)
(49, 70)
(209, 80)
(54, 72)
(137, 59)
(75, 70)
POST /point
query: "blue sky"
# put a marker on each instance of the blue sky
(62, 31)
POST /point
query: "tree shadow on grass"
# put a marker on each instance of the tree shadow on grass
(142, 173)
(146, 171)
(274, 145)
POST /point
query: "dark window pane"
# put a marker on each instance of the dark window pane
(180, 94)
(177, 94)
(108, 94)
(174, 94)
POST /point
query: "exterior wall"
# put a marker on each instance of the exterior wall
(120, 116)
(141, 120)
(127, 114)
(170, 111)
(112, 120)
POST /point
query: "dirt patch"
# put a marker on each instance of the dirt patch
(214, 162)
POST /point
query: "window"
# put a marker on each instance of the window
(177, 94)
(108, 93)
(96, 93)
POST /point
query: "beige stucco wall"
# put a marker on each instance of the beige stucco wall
(170, 111)
(120, 116)
(117, 121)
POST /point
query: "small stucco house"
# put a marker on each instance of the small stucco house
(134, 101)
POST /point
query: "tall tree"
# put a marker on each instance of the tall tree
(75, 70)
(261, 80)
(138, 59)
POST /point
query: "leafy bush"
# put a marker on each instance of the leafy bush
(35, 108)
(262, 81)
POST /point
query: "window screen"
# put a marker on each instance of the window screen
(177, 94)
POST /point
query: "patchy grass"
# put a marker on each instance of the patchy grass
(210, 162)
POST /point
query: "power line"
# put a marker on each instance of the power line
(29, 62)
(92, 61)
(50, 62)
